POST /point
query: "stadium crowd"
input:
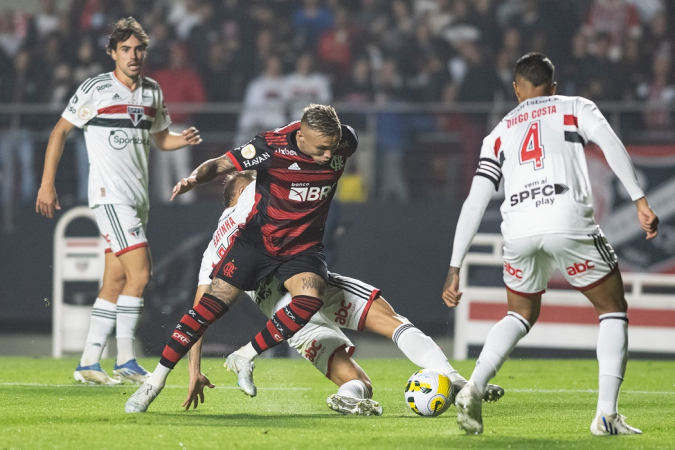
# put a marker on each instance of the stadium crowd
(276, 56)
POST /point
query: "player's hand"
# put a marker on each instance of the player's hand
(183, 186)
(451, 294)
(196, 390)
(648, 219)
(191, 136)
(47, 201)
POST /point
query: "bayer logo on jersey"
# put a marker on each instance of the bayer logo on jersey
(427, 392)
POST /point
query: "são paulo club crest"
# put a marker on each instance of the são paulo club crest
(136, 114)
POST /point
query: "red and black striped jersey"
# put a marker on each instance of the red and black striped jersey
(293, 192)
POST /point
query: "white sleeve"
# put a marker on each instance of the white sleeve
(81, 108)
(162, 118)
(595, 128)
(473, 209)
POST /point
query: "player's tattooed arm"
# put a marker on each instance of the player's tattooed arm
(205, 173)
(223, 291)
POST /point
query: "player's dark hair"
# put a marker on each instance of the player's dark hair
(232, 183)
(123, 29)
(535, 68)
(323, 119)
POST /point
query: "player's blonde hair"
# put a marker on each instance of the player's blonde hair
(323, 119)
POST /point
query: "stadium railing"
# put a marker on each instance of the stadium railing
(568, 323)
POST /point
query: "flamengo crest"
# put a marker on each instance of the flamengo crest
(337, 162)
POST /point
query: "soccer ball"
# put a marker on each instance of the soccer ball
(427, 392)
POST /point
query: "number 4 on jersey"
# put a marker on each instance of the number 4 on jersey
(531, 150)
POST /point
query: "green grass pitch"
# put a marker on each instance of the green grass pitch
(548, 404)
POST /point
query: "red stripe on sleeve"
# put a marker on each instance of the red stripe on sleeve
(234, 161)
(498, 144)
(571, 120)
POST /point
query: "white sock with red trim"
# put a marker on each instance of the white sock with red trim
(354, 388)
(612, 354)
(102, 324)
(500, 342)
(128, 315)
(423, 351)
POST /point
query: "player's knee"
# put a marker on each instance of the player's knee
(139, 280)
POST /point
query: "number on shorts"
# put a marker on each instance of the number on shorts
(531, 150)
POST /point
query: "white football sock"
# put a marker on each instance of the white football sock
(612, 355)
(354, 388)
(128, 314)
(159, 376)
(102, 324)
(247, 351)
(423, 351)
(500, 342)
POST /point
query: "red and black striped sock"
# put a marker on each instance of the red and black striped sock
(191, 328)
(286, 322)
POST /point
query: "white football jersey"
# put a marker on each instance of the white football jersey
(117, 124)
(228, 224)
(538, 148)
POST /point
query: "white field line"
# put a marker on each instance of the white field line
(527, 391)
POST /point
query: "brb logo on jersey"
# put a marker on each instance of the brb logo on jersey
(136, 114)
(302, 192)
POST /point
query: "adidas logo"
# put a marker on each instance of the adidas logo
(294, 166)
(116, 97)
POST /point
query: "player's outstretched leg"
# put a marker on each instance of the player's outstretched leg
(419, 348)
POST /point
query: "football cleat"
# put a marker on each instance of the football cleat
(244, 369)
(354, 406)
(611, 425)
(131, 371)
(141, 399)
(93, 375)
(493, 392)
(469, 402)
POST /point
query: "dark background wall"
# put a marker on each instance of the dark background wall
(404, 249)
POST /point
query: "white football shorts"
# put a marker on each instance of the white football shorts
(345, 305)
(122, 226)
(584, 260)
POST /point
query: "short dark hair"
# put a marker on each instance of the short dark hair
(535, 68)
(123, 29)
(232, 182)
(323, 119)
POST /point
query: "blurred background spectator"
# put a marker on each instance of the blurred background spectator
(274, 57)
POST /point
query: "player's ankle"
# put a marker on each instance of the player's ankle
(248, 352)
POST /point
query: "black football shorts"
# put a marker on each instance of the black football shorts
(243, 265)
